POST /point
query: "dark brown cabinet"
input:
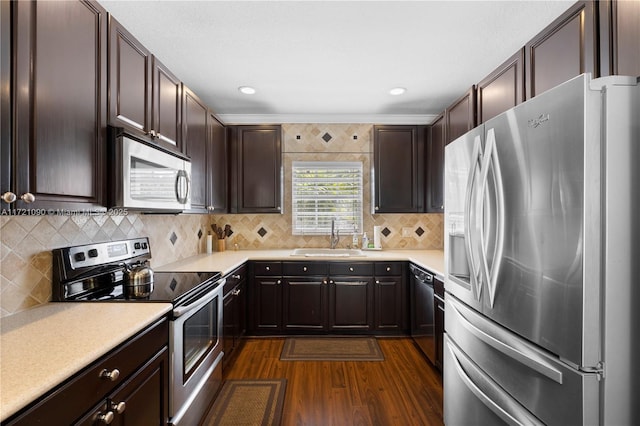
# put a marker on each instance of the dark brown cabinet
(194, 135)
(305, 296)
(256, 169)
(137, 395)
(265, 297)
(619, 35)
(435, 166)
(144, 96)
(53, 156)
(563, 50)
(502, 89)
(398, 176)
(460, 116)
(351, 295)
(390, 297)
(217, 170)
(234, 314)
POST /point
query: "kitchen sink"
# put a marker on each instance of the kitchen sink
(326, 252)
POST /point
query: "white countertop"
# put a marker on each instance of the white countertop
(227, 261)
(43, 346)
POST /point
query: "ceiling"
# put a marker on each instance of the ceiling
(332, 61)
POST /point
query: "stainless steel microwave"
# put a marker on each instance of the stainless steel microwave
(147, 178)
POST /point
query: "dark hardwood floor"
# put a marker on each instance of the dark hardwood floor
(404, 389)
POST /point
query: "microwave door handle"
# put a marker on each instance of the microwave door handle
(182, 186)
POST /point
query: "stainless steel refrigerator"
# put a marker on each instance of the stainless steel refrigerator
(542, 270)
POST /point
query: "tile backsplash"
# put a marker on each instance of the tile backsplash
(26, 241)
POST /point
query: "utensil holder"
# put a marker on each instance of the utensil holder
(222, 245)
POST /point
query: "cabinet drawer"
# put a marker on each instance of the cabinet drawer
(87, 388)
(267, 268)
(304, 268)
(347, 268)
(234, 277)
(388, 268)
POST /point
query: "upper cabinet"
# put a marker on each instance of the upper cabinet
(435, 166)
(53, 157)
(398, 169)
(194, 132)
(256, 169)
(502, 89)
(144, 96)
(565, 49)
(217, 160)
(619, 35)
(460, 116)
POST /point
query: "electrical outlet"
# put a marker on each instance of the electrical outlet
(406, 232)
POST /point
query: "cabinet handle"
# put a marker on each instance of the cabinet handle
(267, 268)
(304, 268)
(28, 197)
(351, 268)
(331, 282)
(9, 197)
(388, 268)
(236, 292)
(118, 407)
(278, 282)
(236, 277)
(324, 281)
(377, 281)
(105, 418)
(111, 375)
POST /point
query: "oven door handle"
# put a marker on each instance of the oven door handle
(200, 302)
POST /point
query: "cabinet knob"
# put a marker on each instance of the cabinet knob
(118, 407)
(105, 418)
(236, 292)
(377, 208)
(351, 268)
(110, 375)
(304, 268)
(279, 282)
(267, 268)
(377, 281)
(28, 197)
(9, 197)
(324, 281)
(236, 277)
(388, 268)
(442, 207)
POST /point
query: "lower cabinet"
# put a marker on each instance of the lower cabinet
(438, 321)
(234, 313)
(128, 386)
(327, 297)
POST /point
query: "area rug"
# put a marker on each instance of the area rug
(248, 402)
(331, 349)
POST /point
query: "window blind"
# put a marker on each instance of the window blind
(322, 191)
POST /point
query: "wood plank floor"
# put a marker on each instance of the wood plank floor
(404, 389)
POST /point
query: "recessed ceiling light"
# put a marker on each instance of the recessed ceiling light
(397, 91)
(247, 90)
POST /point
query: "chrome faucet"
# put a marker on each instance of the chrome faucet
(335, 234)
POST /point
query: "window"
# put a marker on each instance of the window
(322, 191)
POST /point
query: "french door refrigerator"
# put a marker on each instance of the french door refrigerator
(542, 209)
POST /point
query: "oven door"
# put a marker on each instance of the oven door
(195, 336)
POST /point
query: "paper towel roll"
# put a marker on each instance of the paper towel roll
(377, 237)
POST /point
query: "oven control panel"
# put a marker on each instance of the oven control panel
(109, 252)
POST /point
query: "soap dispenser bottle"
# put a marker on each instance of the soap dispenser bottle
(365, 241)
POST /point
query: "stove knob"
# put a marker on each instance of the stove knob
(93, 253)
(136, 246)
(79, 257)
(144, 246)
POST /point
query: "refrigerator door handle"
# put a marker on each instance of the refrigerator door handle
(508, 345)
(491, 162)
(506, 407)
(470, 217)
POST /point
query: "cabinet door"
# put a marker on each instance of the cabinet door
(619, 35)
(435, 167)
(257, 181)
(389, 306)
(350, 303)
(229, 318)
(142, 399)
(266, 304)
(59, 82)
(167, 105)
(502, 89)
(398, 153)
(194, 133)
(129, 81)
(217, 158)
(305, 303)
(460, 117)
(563, 50)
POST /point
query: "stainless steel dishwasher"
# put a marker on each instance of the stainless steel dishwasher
(423, 312)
